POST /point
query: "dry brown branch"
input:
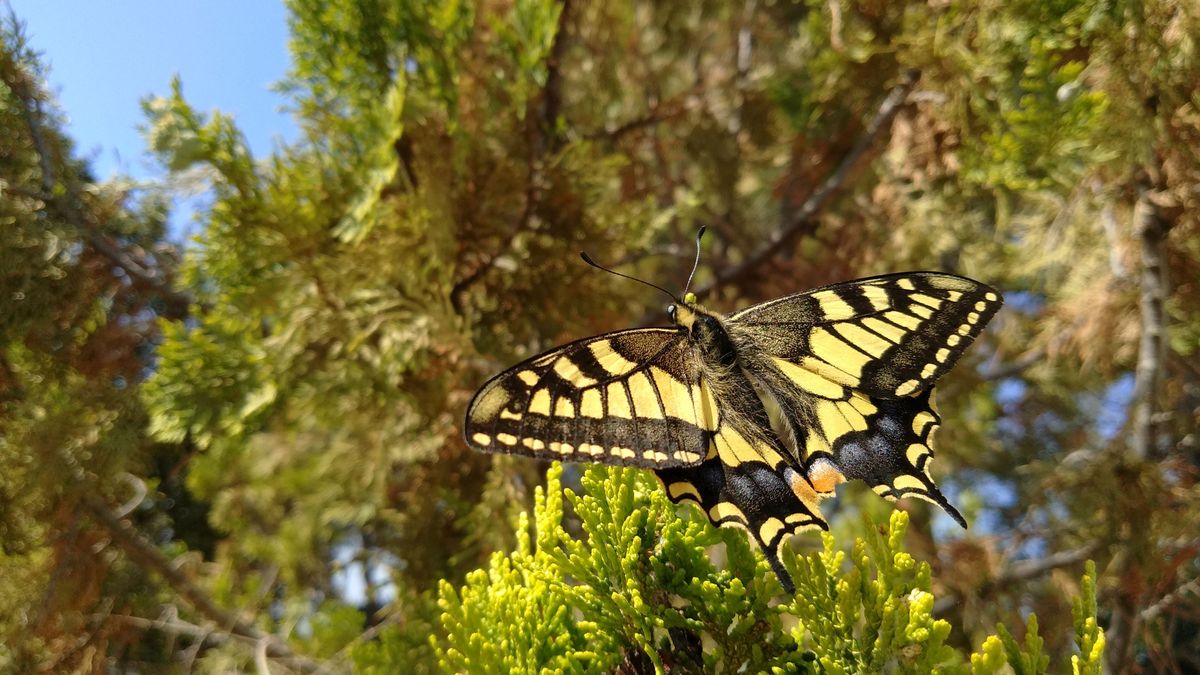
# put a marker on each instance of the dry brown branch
(1151, 225)
(794, 223)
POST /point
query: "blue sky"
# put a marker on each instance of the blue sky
(104, 57)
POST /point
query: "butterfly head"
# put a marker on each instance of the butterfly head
(683, 312)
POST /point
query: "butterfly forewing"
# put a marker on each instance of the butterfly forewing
(629, 398)
(885, 336)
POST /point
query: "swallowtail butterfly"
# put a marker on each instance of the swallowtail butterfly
(848, 369)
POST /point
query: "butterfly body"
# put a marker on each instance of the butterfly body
(848, 370)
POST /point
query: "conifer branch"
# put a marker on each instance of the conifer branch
(67, 200)
(544, 139)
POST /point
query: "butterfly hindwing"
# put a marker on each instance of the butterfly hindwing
(885, 336)
(629, 398)
(892, 454)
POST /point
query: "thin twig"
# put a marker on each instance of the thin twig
(656, 115)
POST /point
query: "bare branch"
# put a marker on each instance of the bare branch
(1023, 570)
(170, 623)
(1003, 370)
(1151, 224)
(656, 115)
(149, 557)
(1169, 600)
(1151, 228)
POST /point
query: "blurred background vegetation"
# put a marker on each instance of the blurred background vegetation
(243, 450)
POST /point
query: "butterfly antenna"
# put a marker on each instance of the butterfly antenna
(588, 259)
(695, 265)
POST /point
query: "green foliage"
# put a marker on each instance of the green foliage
(635, 586)
(1088, 636)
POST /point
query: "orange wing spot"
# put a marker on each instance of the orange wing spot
(824, 476)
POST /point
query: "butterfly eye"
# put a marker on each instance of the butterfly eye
(671, 311)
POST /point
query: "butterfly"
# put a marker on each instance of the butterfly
(756, 416)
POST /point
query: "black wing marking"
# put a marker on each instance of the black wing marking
(892, 454)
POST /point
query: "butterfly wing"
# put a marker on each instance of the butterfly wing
(628, 398)
(887, 336)
(851, 368)
(749, 482)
